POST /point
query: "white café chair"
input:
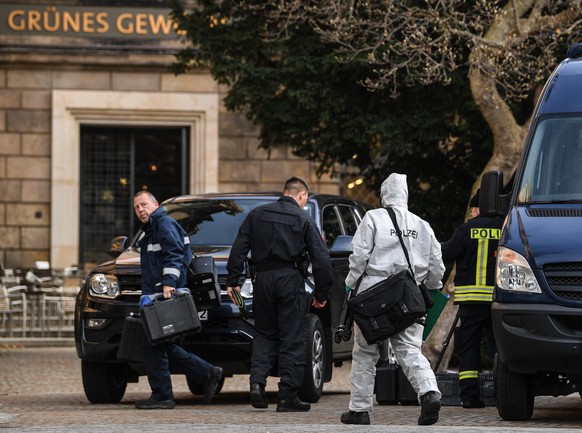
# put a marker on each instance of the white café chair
(12, 303)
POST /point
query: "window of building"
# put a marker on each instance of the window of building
(115, 163)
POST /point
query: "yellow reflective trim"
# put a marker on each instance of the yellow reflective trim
(468, 374)
(472, 293)
(481, 265)
(474, 298)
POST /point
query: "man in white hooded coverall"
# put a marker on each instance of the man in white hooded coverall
(377, 254)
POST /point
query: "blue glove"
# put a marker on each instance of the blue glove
(145, 300)
(347, 289)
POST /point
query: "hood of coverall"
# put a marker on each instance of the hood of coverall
(394, 191)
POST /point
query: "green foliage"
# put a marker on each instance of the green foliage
(302, 93)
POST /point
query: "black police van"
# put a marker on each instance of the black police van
(112, 290)
(537, 302)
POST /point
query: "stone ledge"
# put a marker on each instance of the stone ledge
(12, 343)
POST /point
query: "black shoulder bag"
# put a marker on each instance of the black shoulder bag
(423, 289)
(390, 306)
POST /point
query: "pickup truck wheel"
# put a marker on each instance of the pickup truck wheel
(315, 359)
(197, 389)
(103, 382)
(515, 400)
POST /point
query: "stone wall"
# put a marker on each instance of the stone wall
(246, 167)
(24, 166)
(26, 83)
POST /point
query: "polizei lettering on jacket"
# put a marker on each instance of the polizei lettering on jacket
(405, 233)
(485, 233)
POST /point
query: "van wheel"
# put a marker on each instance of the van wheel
(197, 389)
(515, 400)
(315, 359)
(103, 382)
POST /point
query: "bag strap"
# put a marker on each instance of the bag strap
(355, 289)
(393, 218)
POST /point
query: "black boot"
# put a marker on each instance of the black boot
(258, 396)
(473, 404)
(292, 405)
(430, 405)
(211, 385)
(352, 417)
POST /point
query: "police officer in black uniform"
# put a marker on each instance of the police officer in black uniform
(278, 235)
(473, 246)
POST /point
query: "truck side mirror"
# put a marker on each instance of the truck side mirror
(492, 201)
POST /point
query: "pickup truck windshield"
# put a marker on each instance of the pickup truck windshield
(215, 222)
(212, 222)
(553, 171)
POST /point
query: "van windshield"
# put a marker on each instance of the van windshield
(553, 168)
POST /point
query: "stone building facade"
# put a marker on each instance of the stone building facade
(52, 85)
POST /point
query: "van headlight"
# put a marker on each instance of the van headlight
(513, 272)
(104, 285)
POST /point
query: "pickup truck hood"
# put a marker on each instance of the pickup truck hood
(128, 262)
(545, 233)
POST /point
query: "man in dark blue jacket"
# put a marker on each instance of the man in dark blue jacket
(279, 234)
(165, 253)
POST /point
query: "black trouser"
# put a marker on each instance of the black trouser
(280, 310)
(474, 320)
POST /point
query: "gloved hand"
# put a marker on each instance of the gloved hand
(145, 300)
(347, 289)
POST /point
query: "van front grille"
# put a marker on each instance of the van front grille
(548, 213)
(565, 279)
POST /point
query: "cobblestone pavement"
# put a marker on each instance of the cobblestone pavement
(41, 387)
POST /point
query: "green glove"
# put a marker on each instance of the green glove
(347, 289)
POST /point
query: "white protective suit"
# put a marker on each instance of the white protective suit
(378, 253)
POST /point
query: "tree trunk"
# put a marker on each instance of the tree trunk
(435, 342)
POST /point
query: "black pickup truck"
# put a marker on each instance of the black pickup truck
(112, 290)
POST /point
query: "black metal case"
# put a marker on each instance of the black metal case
(385, 386)
(203, 283)
(132, 338)
(170, 318)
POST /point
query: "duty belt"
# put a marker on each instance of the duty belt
(275, 266)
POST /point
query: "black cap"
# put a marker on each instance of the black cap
(474, 200)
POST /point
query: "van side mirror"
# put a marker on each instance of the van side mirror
(492, 201)
(117, 245)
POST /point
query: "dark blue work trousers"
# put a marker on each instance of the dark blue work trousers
(162, 360)
(280, 306)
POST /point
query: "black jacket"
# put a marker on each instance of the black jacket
(279, 233)
(474, 246)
